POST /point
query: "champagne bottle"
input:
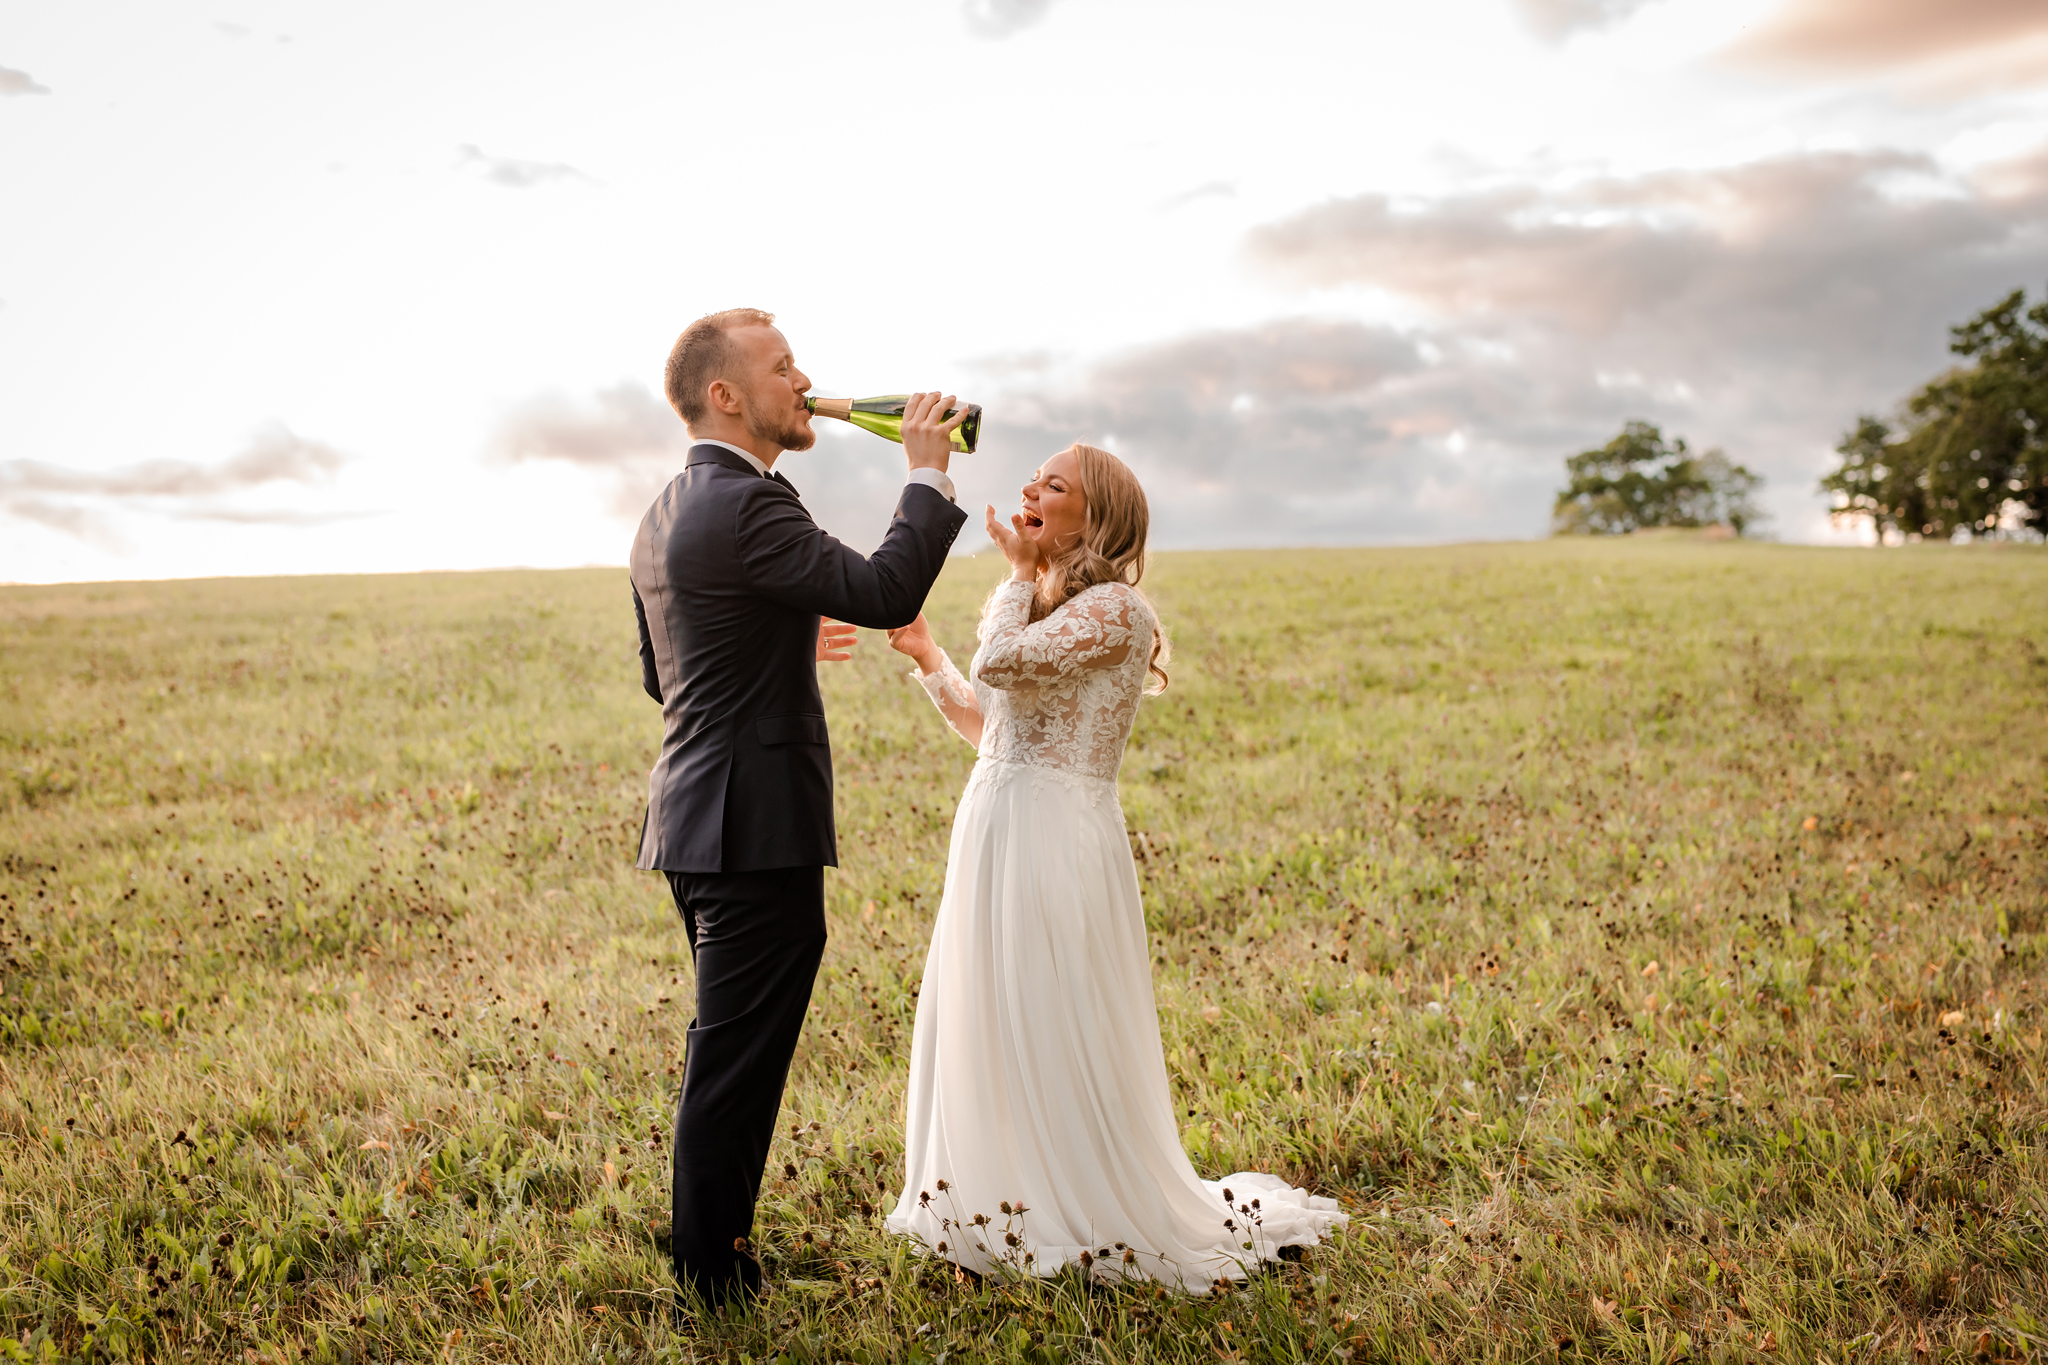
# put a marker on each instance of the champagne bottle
(884, 417)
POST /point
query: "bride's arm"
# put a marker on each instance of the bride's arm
(1096, 630)
(954, 696)
(942, 682)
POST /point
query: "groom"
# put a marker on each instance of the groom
(730, 576)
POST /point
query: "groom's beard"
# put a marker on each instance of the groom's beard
(785, 427)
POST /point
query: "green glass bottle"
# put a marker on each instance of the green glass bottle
(884, 417)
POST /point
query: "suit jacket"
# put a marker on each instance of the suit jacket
(730, 575)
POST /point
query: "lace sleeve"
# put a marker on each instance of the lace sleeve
(1096, 629)
(954, 696)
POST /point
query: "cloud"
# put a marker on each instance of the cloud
(1302, 383)
(72, 520)
(1001, 18)
(1302, 430)
(278, 517)
(1870, 33)
(623, 431)
(1758, 307)
(274, 455)
(513, 173)
(1214, 189)
(2007, 38)
(1820, 257)
(14, 82)
(1554, 20)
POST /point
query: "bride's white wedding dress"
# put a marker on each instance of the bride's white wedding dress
(1038, 1093)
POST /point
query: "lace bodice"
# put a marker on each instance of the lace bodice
(1061, 693)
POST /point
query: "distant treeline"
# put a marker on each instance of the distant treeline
(1965, 455)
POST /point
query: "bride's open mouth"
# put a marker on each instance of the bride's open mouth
(1031, 518)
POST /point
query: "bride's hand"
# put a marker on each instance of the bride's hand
(1018, 548)
(916, 640)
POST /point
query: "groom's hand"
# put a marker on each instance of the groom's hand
(835, 640)
(928, 432)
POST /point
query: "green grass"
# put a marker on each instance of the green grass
(1644, 940)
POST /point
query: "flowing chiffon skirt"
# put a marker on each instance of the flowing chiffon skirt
(1037, 1078)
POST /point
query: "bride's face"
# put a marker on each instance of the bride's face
(1055, 509)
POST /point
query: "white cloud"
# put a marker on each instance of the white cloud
(14, 82)
(1001, 18)
(79, 501)
(513, 173)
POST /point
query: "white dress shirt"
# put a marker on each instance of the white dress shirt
(930, 478)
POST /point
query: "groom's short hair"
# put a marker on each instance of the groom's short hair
(700, 355)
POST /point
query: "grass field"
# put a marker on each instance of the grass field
(1645, 940)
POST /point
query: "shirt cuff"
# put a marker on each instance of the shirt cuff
(935, 479)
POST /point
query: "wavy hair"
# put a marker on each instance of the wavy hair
(1111, 548)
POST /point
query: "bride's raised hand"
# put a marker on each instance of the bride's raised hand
(916, 640)
(1022, 551)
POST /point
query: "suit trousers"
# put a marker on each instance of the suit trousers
(756, 939)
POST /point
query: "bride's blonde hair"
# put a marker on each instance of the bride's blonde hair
(1111, 547)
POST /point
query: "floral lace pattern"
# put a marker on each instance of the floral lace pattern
(1059, 693)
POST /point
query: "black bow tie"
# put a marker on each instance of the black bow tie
(784, 482)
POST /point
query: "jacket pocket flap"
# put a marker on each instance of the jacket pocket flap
(792, 729)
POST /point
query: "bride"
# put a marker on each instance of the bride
(1040, 1128)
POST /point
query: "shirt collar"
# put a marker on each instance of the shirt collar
(747, 455)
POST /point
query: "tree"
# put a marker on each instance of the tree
(1968, 452)
(1640, 480)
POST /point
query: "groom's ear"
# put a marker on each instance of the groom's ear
(722, 395)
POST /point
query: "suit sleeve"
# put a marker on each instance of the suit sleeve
(649, 677)
(789, 560)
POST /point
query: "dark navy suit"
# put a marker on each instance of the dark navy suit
(730, 576)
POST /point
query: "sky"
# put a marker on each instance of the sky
(291, 287)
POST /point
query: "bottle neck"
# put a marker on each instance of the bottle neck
(842, 408)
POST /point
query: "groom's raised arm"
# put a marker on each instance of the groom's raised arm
(790, 560)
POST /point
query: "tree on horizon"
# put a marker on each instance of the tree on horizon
(1965, 454)
(1640, 481)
